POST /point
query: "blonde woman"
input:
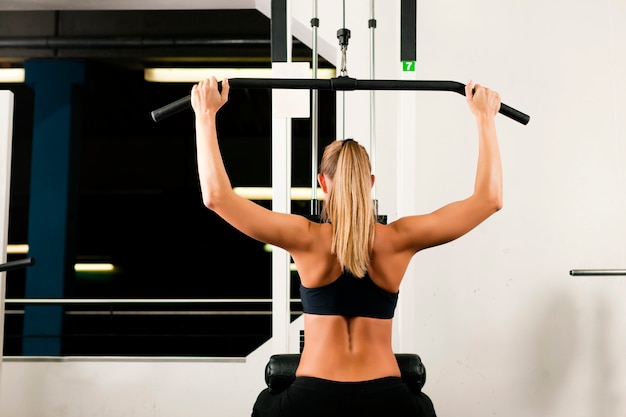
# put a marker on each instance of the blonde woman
(349, 265)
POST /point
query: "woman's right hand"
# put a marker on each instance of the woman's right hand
(206, 99)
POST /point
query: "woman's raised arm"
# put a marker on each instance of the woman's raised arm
(456, 219)
(279, 229)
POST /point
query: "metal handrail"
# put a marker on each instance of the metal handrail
(139, 300)
(148, 301)
(598, 272)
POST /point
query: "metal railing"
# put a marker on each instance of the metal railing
(598, 272)
(216, 302)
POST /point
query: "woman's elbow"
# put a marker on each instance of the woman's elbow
(207, 203)
(491, 203)
(494, 197)
(497, 202)
(498, 206)
(210, 200)
(218, 199)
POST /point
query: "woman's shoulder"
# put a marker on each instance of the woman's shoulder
(306, 234)
(385, 231)
(394, 237)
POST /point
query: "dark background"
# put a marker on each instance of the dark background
(139, 202)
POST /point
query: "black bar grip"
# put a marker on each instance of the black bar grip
(338, 84)
(20, 263)
(257, 83)
(171, 109)
(514, 114)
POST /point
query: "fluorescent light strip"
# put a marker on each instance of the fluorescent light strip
(251, 193)
(22, 249)
(11, 75)
(265, 193)
(15, 249)
(174, 75)
(105, 267)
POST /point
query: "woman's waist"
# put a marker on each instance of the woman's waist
(350, 388)
(347, 365)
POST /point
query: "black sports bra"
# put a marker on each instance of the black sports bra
(349, 296)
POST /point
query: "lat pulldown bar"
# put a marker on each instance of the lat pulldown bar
(336, 84)
(20, 263)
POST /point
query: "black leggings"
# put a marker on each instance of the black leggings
(315, 397)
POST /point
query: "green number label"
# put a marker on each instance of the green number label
(408, 65)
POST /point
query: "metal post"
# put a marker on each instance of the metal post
(315, 210)
(281, 182)
(6, 137)
(372, 27)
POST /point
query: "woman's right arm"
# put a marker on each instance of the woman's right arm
(456, 219)
(279, 229)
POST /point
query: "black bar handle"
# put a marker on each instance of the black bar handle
(257, 83)
(20, 263)
(171, 109)
(337, 84)
(514, 114)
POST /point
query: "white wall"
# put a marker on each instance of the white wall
(109, 387)
(502, 327)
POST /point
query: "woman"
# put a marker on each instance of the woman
(350, 267)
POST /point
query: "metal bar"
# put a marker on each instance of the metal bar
(315, 207)
(408, 30)
(171, 313)
(278, 28)
(338, 84)
(130, 42)
(281, 179)
(372, 28)
(20, 263)
(598, 272)
(6, 145)
(138, 300)
(162, 313)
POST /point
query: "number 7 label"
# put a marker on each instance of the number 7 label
(408, 66)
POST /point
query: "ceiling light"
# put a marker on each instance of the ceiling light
(104, 267)
(175, 75)
(15, 249)
(11, 75)
(22, 249)
(265, 193)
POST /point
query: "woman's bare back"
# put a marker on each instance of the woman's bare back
(347, 348)
(342, 348)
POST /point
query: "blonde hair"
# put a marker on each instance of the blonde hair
(349, 206)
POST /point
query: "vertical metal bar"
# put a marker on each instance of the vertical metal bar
(6, 137)
(278, 35)
(281, 183)
(314, 117)
(408, 30)
(343, 93)
(407, 144)
(372, 27)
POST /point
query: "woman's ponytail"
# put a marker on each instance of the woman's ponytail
(349, 206)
